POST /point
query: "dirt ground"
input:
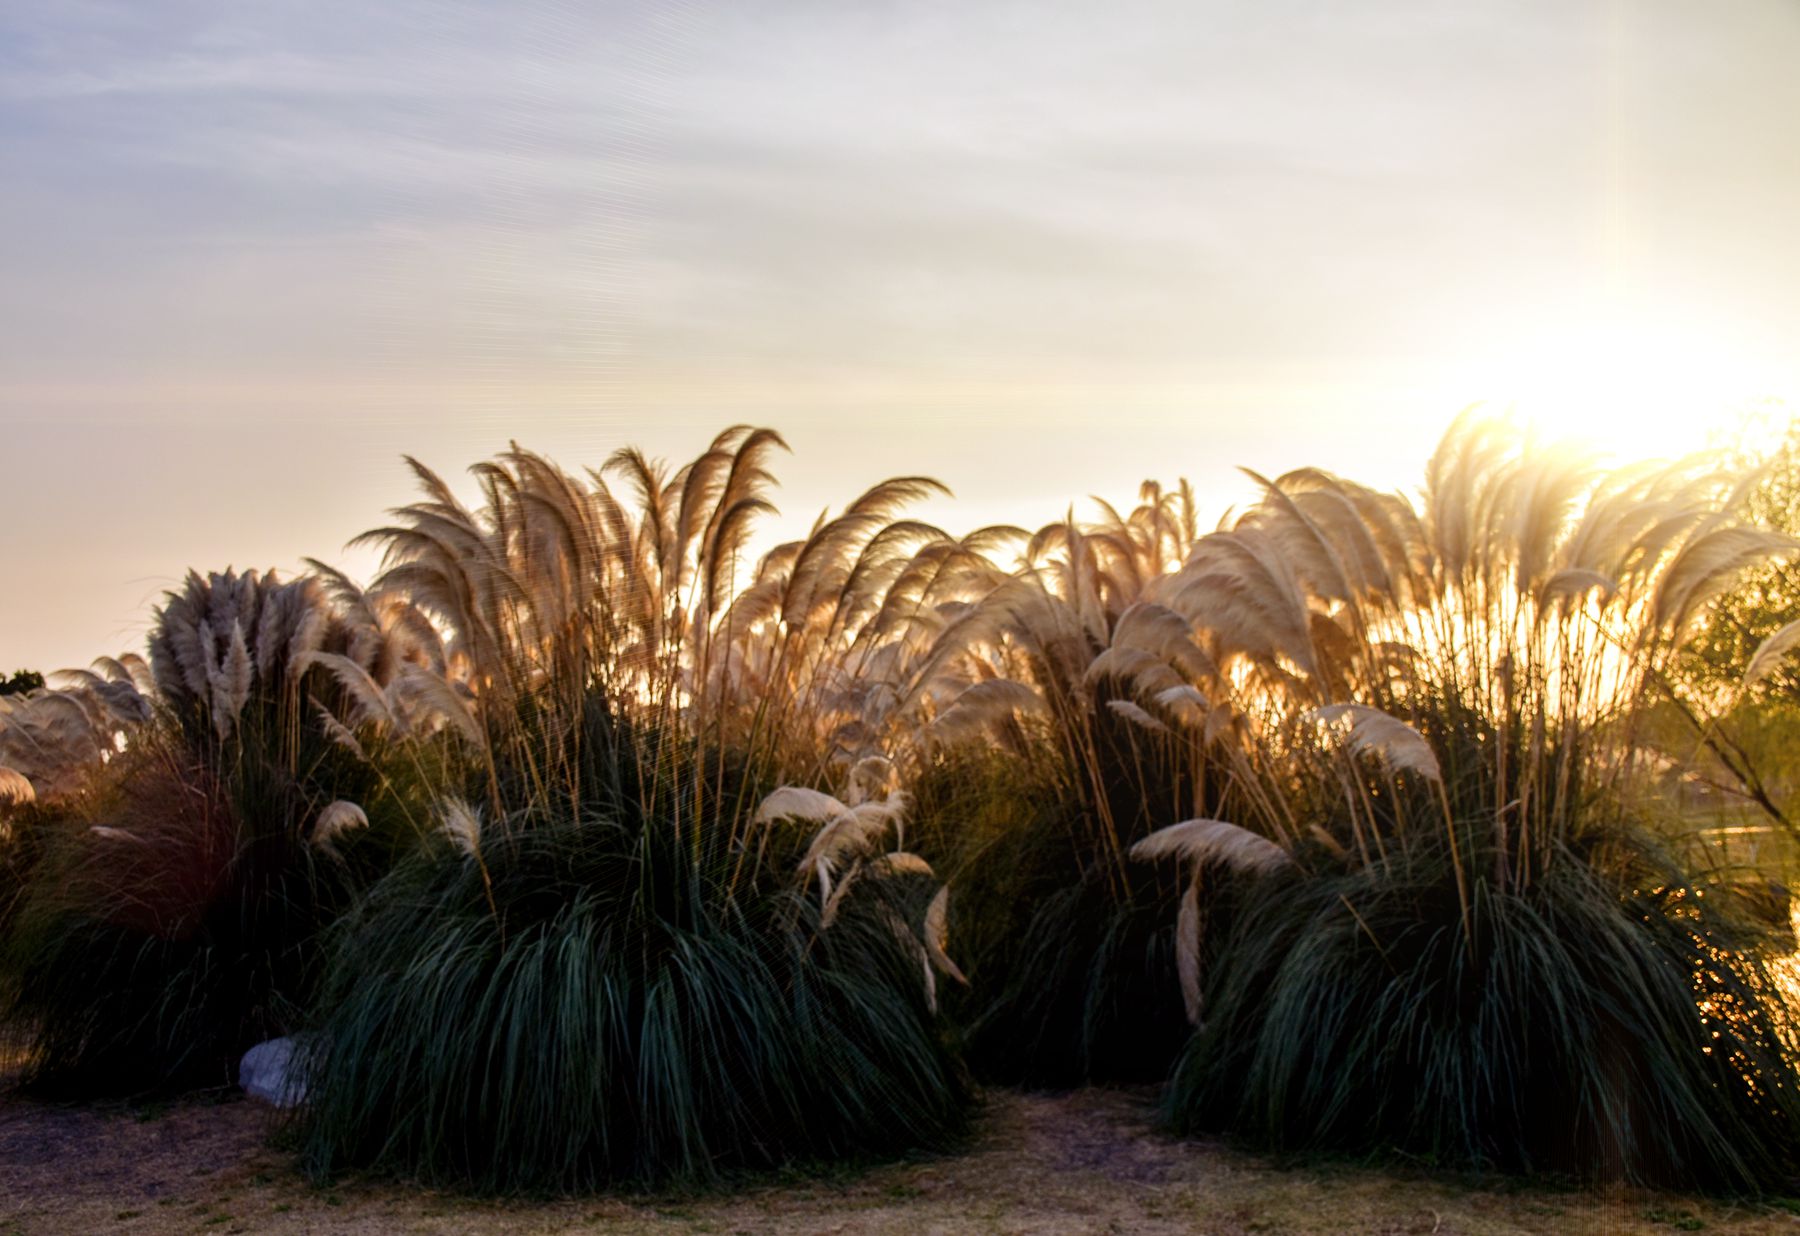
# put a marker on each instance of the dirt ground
(1083, 1162)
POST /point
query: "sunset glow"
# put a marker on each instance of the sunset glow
(1039, 256)
(1632, 386)
(1163, 616)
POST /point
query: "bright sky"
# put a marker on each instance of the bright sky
(252, 253)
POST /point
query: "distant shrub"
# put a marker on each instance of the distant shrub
(21, 681)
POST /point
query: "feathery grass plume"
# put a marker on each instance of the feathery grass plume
(174, 925)
(851, 832)
(232, 649)
(1104, 697)
(1396, 744)
(338, 818)
(614, 897)
(15, 789)
(798, 802)
(461, 823)
(1200, 842)
(937, 928)
(58, 737)
(1213, 841)
(633, 585)
(1495, 650)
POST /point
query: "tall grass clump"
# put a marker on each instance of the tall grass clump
(1074, 715)
(588, 1003)
(649, 943)
(1452, 934)
(173, 918)
(1602, 1022)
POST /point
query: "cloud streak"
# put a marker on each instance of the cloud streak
(518, 215)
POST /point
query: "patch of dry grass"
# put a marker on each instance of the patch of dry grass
(1081, 1162)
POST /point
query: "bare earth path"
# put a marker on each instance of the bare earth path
(1084, 1162)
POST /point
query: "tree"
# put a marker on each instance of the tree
(1750, 737)
(1767, 597)
(21, 682)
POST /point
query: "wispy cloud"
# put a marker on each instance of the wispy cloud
(709, 210)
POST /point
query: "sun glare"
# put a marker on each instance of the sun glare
(1630, 387)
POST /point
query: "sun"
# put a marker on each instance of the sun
(1630, 385)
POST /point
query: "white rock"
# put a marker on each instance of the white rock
(275, 1072)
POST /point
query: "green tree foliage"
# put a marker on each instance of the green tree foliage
(1738, 732)
(1767, 596)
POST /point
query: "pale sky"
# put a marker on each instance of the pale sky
(250, 253)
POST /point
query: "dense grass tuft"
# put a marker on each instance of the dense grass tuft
(585, 1006)
(1605, 1021)
(146, 958)
(1072, 976)
(173, 918)
(1087, 995)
